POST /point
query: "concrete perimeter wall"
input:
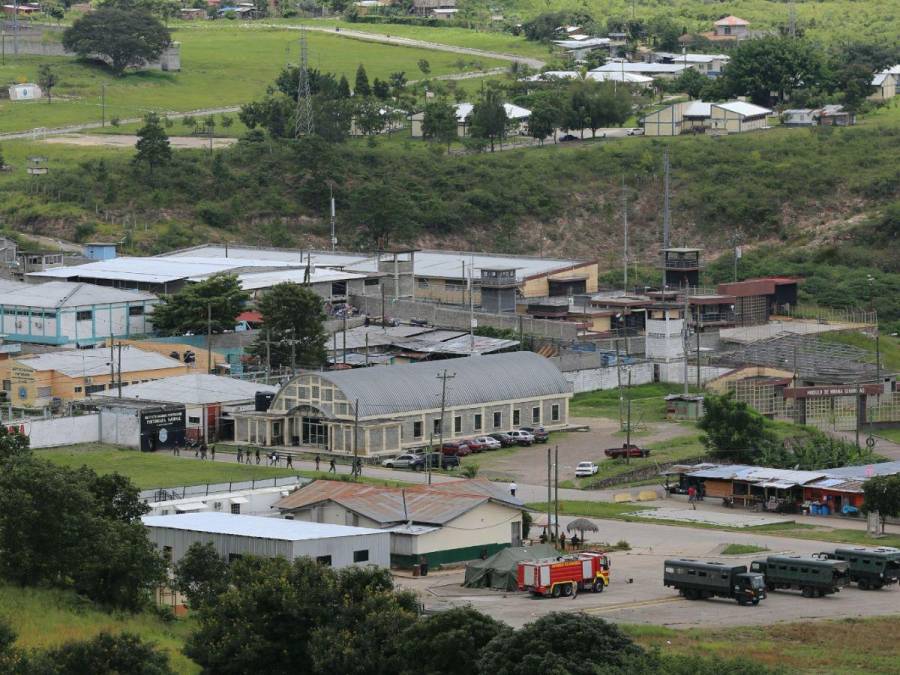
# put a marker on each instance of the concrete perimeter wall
(673, 372)
(592, 379)
(33, 43)
(448, 317)
(51, 432)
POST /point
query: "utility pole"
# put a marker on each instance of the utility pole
(698, 352)
(209, 360)
(666, 215)
(333, 233)
(625, 247)
(443, 377)
(355, 433)
(112, 361)
(471, 312)
(556, 482)
(858, 416)
(428, 454)
(685, 334)
(619, 379)
(628, 428)
(120, 369)
(103, 104)
(268, 355)
(344, 355)
(549, 496)
(464, 277)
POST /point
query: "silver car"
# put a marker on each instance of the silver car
(399, 462)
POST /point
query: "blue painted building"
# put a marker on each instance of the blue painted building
(99, 250)
(61, 312)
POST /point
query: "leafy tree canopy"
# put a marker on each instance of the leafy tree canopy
(124, 38)
(882, 494)
(733, 430)
(293, 325)
(770, 69)
(218, 298)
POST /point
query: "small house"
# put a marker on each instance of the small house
(731, 27)
(885, 84)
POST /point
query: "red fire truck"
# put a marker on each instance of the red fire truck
(565, 575)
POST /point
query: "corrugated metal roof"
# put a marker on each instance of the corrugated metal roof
(196, 388)
(256, 280)
(89, 362)
(618, 76)
(386, 390)
(744, 108)
(58, 294)
(422, 504)
(254, 526)
(866, 470)
(697, 109)
(640, 67)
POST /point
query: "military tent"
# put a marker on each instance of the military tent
(499, 571)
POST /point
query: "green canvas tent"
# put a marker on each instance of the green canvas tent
(499, 571)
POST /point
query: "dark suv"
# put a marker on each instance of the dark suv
(436, 460)
(541, 435)
(506, 441)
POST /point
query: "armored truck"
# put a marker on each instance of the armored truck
(869, 567)
(696, 580)
(814, 577)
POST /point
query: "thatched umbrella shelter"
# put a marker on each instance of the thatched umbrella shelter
(582, 525)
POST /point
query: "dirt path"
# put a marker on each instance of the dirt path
(129, 140)
(531, 62)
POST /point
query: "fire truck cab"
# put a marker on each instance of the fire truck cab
(565, 575)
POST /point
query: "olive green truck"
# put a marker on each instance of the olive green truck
(814, 577)
(696, 580)
(870, 568)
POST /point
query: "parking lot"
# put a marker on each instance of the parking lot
(645, 600)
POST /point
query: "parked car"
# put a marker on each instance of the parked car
(626, 451)
(486, 442)
(457, 448)
(435, 460)
(522, 437)
(586, 470)
(541, 435)
(637, 131)
(505, 439)
(400, 462)
(567, 138)
(475, 445)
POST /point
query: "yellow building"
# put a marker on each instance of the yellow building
(700, 117)
(72, 375)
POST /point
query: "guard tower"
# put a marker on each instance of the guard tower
(498, 289)
(681, 267)
(398, 266)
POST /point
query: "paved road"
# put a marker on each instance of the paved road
(40, 132)
(530, 61)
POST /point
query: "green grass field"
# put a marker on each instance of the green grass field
(49, 617)
(742, 549)
(889, 347)
(647, 402)
(808, 647)
(222, 65)
(672, 450)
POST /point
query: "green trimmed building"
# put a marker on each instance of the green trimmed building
(437, 524)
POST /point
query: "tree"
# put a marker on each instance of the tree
(398, 84)
(575, 644)
(370, 119)
(361, 86)
(201, 575)
(439, 122)
(124, 38)
(381, 89)
(545, 116)
(105, 654)
(12, 443)
(343, 90)
(489, 121)
(293, 326)
(691, 82)
(734, 431)
(881, 494)
(385, 213)
(455, 639)
(577, 113)
(770, 69)
(152, 147)
(424, 66)
(186, 311)
(47, 79)
(608, 105)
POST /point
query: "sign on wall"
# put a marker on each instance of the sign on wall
(162, 428)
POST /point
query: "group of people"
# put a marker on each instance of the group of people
(574, 542)
(272, 459)
(355, 467)
(695, 495)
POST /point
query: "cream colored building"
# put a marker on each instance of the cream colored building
(700, 117)
(885, 84)
(444, 523)
(388, 409)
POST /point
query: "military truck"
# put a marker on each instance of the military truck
(869, 567)
(814, 577)
(696, 580)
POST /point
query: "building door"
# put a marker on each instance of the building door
(314, 432)
(516, 533)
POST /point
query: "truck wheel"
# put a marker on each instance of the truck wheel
(742, 601)
(599, 586)
(863, 585)
(690, 594)
(807, 592)
(755, 601)
(567, 590)
(877, 586)
(555, 592)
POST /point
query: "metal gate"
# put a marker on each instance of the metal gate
(835, 413)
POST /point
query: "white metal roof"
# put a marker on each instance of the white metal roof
(58, 294)
(744, 108)
(319, 258)
(640, 67)
(89, 362)
(253, 281)
(618, 76)
(582, 44)
(192, 389)
(879, 79)
(254, 526)
(513, 112)
(692, 58)
(555, 74)
(697, 109)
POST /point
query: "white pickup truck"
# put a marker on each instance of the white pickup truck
(586, 470)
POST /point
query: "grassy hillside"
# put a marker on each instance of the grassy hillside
(49, 617)
(223, 64)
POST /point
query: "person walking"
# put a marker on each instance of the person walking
(212, 452)
(318, 459)
(290, 462)
(692, 497)
(562, 541)
(240, 455)
(197, 450)
(512, 489)
(359, 468)
(203, 451)
(331, 467)
(257, 455)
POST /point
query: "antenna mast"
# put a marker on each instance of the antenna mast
(303, 116)
(666, 215)
(625, 247)
(333, 235)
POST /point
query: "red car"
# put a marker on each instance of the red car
(475, 445)
(458, 448)
(626, 451)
